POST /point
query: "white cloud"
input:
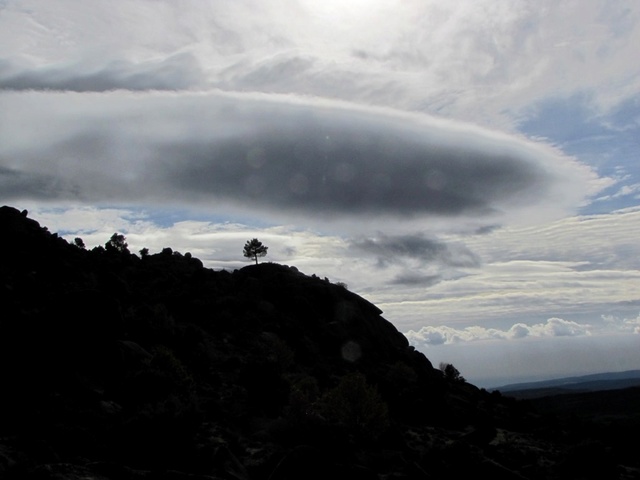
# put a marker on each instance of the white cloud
(623, 191)
(602, 241)
(480, 61)
(176, 72)
(553, 327)
(585, 265)
(624, 324)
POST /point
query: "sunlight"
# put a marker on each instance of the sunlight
(339, 8)
(348, 13)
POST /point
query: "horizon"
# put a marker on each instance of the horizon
(474, 172)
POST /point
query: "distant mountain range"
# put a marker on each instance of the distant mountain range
(585, 383)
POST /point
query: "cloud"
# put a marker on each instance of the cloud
(93, 224)
(284, 72)
(569, 268)
(177, 72)
(557, 327)
(340, 162)
(632, 190)
(577, 239)
(440, 335)
(15, 183)
(391, 249)
(630, 325)
(415, 278)
(504, 291)
(473, 60)
(279, 155)
(519, 330)
(417, 261)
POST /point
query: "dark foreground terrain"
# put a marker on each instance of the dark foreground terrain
(119, 366)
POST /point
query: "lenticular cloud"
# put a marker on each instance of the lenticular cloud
(275, 154)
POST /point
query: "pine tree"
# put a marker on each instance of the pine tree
(254, 249)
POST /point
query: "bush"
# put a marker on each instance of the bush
(451, 373)
(357, 406)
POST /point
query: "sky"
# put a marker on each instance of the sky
(471, 167)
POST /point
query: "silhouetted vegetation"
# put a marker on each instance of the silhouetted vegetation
(451, 372)
(357, 406)
(117, 243)
(118, 366)
(254, 249)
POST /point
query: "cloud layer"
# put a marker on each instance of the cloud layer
(553, 327)
(176, 72)
(272, 154)
(476, 60)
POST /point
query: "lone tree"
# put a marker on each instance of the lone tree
(254, 249)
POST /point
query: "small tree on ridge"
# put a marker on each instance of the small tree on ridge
(117, 243)
(254, 249)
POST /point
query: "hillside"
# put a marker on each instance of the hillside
(116, 366)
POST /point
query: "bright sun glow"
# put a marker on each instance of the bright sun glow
(354, 11)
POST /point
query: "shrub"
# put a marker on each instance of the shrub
(303, 395)
(165, 361)
(357, 406)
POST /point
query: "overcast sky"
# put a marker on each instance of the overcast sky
(471, 167)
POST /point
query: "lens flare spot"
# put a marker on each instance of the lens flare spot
(351, 351)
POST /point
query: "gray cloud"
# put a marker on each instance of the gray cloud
(14, 183)
(279, 155)
(416, 279)
(486, 229)
(280, 73)
(322, 168)
(391, 249)
(180, 71)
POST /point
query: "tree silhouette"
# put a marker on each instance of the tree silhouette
(451, 372)
(254, 249)
(117, 243)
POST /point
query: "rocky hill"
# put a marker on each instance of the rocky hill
(116, 366)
